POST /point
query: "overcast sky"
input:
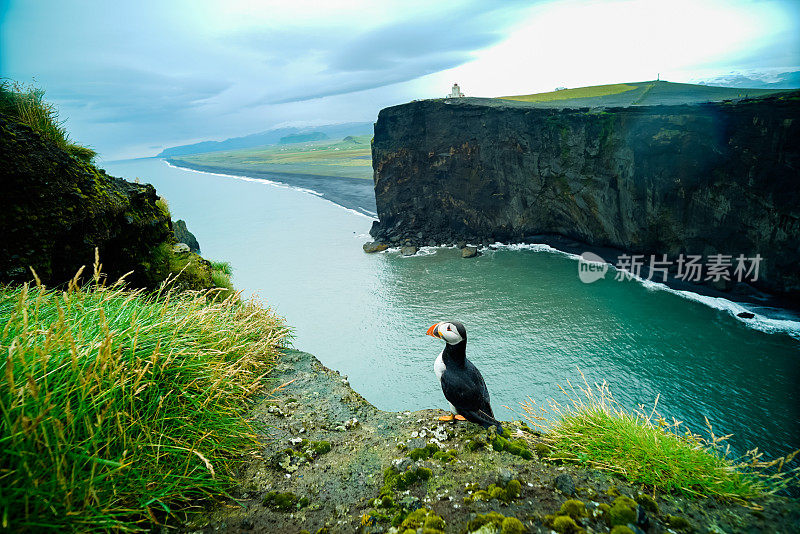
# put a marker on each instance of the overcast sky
(134, 77)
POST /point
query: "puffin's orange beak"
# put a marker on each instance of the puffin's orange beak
(433, 331)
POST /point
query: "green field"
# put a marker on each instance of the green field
(652, 93)
(350, 157)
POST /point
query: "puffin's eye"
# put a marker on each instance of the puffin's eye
(448, 328)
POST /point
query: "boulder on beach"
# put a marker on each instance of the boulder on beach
(374, 246)
(408, 250)
(469, 252)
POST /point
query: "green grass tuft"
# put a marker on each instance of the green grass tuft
(221, 272)
(222, 266)
(120, 407)
(27, 104)
(593, 429)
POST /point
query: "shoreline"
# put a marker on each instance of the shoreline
(354, 194)
(769, 315)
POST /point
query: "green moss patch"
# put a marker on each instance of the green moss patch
(512, 490)
(393, 480)
(517, 447)
(679, 523)
(423, 518)
(623, 511)
(647, 502)
(573, 508)
(387, 508)
(506, 525)
(284, 502)
(423, 453)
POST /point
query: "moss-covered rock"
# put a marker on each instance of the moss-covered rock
(678, 522)
(425, 519)
(315, 448)
(648, 503)
(445, 456)
(506, 493)
(542, 450)
(423, 453)
(564, 524)
(503, 524)
(573, 508)
(284, 502)
(55, 210)
(622, 512)
(517, 447)
(393, 480)
(620, 529)
(183, 235)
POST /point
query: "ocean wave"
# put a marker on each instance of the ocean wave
(765, 319)
(360, 211)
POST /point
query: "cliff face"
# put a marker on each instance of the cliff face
(700, 179)
(55, 209)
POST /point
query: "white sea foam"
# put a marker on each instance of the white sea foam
(362, 213)
(760, 321)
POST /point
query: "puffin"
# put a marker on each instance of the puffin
(462, 382)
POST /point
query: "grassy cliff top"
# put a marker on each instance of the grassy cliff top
(650, 93)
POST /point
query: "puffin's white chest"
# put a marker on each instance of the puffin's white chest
(438, 366)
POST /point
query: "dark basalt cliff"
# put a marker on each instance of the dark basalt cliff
(55, 209)
(694, 179)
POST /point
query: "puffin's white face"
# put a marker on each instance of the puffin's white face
(450, 332)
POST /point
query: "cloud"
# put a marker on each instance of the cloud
(422, 40)
(133, 75)
(341, 60)
(118, 93)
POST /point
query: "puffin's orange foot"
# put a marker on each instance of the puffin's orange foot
(447, 417)
(460, 418)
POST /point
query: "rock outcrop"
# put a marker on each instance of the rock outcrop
(55, 210)
(332, 462)
(183, 235)
(715, 178)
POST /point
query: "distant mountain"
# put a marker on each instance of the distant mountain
(784, 80)
(269, 137)
(650, 93)
(303, 137)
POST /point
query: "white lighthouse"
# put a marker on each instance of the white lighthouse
(455, 92)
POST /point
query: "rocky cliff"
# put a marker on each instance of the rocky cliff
(55, 209)
(333, 463)
(694, 179)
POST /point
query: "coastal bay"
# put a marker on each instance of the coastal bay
(532, 323)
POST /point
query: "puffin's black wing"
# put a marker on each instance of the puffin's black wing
(466, 390)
